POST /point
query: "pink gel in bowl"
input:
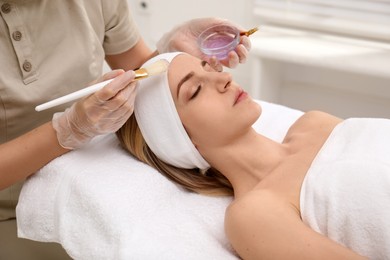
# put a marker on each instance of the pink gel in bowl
(218, 41)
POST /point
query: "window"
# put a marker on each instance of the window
(368, 19)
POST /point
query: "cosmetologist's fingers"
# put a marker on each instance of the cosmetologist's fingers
(242, 53)
(215, 64)
(110, 90)
(112, 74)
(246, 42)
(124, 98)
(233, 59)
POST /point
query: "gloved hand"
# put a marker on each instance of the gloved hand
(184, 38)
(103, 112)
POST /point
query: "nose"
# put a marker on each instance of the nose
(222, 81)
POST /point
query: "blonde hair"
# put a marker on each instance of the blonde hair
(210, 182)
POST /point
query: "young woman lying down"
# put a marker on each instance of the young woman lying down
(322, 193)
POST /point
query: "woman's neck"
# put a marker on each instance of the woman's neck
(247, 161)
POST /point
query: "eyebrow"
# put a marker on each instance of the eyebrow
(187, 77)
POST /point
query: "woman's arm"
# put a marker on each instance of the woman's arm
(263, 226)
(26, 154)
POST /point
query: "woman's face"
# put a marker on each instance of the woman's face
(212, 107)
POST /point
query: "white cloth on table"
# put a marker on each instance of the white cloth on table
(346, 192)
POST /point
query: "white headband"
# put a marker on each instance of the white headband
(160, 123)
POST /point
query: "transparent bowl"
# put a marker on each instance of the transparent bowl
(218, 41)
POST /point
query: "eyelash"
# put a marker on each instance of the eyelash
(196, 92)
(204, 63)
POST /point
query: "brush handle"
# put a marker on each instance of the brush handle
(249, 32)
(73, 96)
(141, 73)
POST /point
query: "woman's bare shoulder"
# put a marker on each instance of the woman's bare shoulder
(252, 221)
(264, 225)
(313, 121)
(316, 118)
(256, 208)
(257, 200)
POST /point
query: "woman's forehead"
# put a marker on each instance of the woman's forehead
(183, 60)
(180, 66)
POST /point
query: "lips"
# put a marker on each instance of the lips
(240, 95)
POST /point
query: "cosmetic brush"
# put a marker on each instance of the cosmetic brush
(158, 67)
(249, 32)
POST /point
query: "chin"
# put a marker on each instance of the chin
(256, 108)
(253, 112)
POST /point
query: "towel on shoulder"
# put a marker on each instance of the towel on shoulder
(346, 192)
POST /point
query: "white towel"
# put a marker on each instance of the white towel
(99, 203)
(114, 208)
(346, 192)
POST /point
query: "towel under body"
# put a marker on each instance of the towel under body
(346, 192)
(100, 203)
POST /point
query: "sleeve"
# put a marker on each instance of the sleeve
(121, 32)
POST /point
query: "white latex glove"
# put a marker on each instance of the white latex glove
(103, 112)
(184, 38)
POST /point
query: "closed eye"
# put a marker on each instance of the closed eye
(196, 92)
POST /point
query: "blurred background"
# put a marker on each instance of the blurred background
(330, 55)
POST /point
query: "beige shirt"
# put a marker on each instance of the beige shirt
(50, 48)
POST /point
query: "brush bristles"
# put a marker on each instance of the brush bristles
(157, 67)
(141, 73)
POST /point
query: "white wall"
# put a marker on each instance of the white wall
(313, 71)
(341, 93)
